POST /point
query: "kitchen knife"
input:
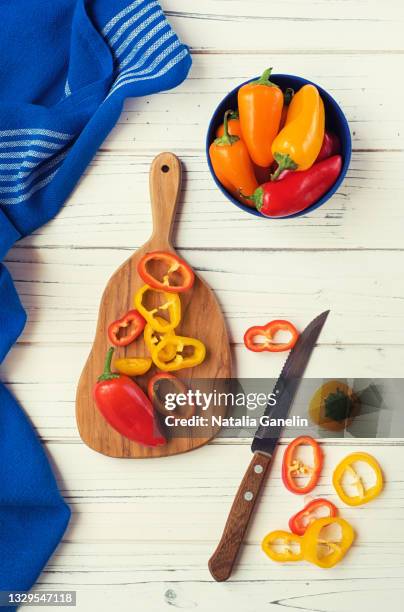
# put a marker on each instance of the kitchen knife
(263, 447)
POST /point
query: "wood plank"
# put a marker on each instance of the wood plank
(106, 494)
(111, 208)
(291, 25)
(44, 377)
(318, 593)
(179, 119)
(364, 289)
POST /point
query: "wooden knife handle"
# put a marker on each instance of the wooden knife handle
(222, 561)
(165, 187)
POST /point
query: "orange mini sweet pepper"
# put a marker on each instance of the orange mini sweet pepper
(298, 144)
(232, 164)
(260, 105)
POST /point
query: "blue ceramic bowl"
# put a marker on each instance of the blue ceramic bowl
(335, 122)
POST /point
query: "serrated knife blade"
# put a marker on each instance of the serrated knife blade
(263, 446)
(266, 437)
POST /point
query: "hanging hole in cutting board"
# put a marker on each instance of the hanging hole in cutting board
(165, 168)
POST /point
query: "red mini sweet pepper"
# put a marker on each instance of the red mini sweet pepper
(125, 407)
(331, 146)
(297, 190)
(133, 322)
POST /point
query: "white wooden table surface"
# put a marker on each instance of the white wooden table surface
(142, 531)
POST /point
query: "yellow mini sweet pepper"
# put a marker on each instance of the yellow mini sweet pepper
(298, 144)
(179, 362)
(134, 366)
(172, 304)
(346, 466)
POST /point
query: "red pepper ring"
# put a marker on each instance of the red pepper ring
(174, 264)
(300, 521)
(133, 321)
(293, 468)
(269, 331)
(157, 396)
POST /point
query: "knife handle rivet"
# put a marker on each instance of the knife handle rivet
(248, 495)
(258, 469)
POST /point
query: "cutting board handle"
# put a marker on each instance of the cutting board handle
(165, 186)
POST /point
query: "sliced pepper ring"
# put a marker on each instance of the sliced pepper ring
(152, 338)
(180, 361)
(293, 468)
(157, 395)
(312, 542)
(300, 521)
(290, 546)
(365, 495)
(175, 265)
(133, 322)
(172, 305)
(268, 332)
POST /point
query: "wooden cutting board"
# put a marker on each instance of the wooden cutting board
(201, 318)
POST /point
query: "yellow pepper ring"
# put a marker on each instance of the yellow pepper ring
(179, 362)
(172, 305)
(152, 338)
(338, 549)
(284, 540)
(365, 495)
(134, 366)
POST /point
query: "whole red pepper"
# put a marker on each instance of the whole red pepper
(298, 190)
(331, 146)
(125, 407)
(133, 322)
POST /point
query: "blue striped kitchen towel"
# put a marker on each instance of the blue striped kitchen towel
(66, 67)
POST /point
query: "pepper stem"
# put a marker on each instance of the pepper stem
(257, 197)
(226, 139)
(107, 374)
(264, 79)
(285, 162)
